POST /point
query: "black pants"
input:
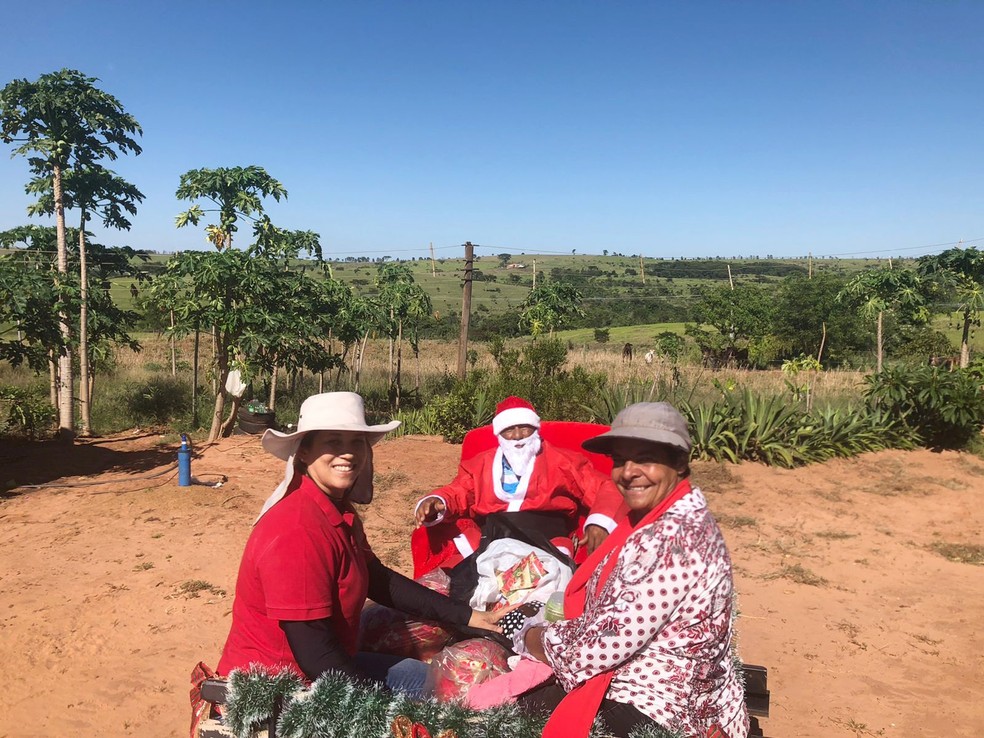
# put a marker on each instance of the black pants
(618, 716)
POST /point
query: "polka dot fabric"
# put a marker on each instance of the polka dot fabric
(663, 622)
(514, 621)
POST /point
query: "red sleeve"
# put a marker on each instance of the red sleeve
(298, 575)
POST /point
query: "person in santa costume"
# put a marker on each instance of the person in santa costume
(523, 473)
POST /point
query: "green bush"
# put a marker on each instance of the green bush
(944, 409)
(25, 412)
(159, 401)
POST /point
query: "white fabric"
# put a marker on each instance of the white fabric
(505, 553)
(521, 453)
(514, 500)
(234, 383)
(515, 416)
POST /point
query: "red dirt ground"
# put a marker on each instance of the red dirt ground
(865, 628)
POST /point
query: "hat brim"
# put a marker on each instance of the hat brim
(283, 445)
(605, 443)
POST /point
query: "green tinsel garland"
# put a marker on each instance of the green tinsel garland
(338, 707)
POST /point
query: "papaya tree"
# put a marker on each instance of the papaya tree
(230, 194)
(548, 305)
(874, 292)
(958, 273)
(63, 121)
(92, 190)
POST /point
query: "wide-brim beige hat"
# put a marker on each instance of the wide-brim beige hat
(338, 411)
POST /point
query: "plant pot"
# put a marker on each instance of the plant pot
(255, 423)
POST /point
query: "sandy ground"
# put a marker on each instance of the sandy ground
(111, 592)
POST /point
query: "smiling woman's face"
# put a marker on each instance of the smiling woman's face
(645, 472)
(334, 459)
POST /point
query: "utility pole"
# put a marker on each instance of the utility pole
(810, 263)
(642, 270)
(730, 280)
(433, 263)
(465, 310)
(534, 274)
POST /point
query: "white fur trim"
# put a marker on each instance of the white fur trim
(463, 545)
(440, 515)
(514, 416)
(602, 521)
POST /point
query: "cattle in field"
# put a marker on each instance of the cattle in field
(627, 352)
(650, 355)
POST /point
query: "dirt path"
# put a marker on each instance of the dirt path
(110, 593)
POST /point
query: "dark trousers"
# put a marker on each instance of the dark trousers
(618, 716)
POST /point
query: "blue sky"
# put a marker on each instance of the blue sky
(667, 129)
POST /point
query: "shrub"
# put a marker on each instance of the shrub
(25, 412)
(159, 400)
(944, 409)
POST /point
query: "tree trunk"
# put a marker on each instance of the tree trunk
(272, 403)
(880, 314)
(174, 362)
(230, 422)
(66, 382)
(53, 378)
(222, 374)
(399, 364)
(359, 358)
(84, 383)
(965, 341)
(194, 378)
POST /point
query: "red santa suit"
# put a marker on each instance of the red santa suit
(559, 480)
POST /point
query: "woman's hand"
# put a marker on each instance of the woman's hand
(429, 509)
(533, 640)
(489, 620)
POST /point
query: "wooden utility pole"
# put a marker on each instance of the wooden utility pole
(730, 280)
(433, 263)
(810, 263)
(465, 310)
(642, 269)
(534, 274)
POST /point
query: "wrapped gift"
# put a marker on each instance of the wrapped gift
(519, 580)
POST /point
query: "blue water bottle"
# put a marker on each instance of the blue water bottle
(184, 463)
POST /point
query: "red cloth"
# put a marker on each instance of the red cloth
(305, 560)
(434, 546)
(576, 712)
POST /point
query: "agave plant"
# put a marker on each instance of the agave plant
(712, 431)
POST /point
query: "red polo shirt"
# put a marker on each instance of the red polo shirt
(305, 560)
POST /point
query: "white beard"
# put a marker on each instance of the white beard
(520, 454)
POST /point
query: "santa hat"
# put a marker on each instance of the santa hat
(514, 411)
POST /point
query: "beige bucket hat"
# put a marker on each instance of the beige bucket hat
(339, 411)
(658, 422)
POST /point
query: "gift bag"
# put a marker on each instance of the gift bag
(526, 571)
(462, 665)
(389, 631)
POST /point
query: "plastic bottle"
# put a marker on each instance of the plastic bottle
(554, 610)
(184, 462)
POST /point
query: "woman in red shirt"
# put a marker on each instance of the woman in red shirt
(307, 568)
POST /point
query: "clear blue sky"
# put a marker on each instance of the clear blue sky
(668, 129)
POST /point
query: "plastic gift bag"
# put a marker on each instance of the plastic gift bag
(462, 665)
(389, 631)
(506, 553)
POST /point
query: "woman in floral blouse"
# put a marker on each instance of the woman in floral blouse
(648, 635)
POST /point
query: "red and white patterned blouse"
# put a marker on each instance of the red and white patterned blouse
(663, 621)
